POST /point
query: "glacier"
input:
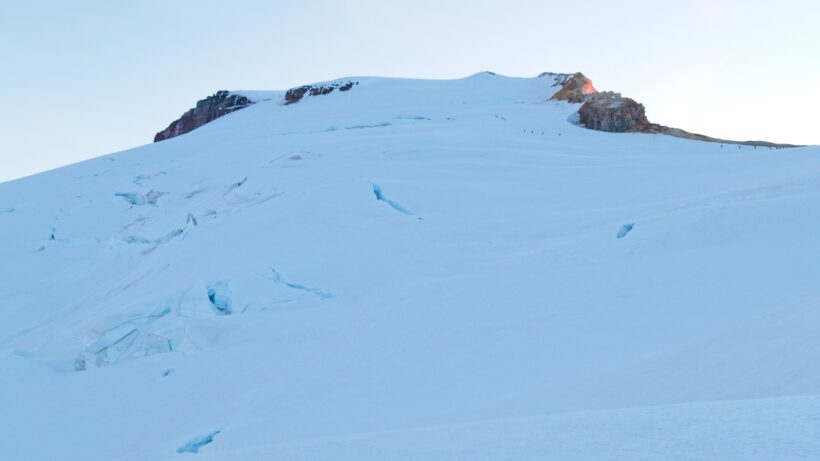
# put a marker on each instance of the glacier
(491, 304)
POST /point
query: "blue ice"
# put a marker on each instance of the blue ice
(625, 230)
(377, 191)
(193, 445)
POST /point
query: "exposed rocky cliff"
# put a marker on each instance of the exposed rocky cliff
(224, 102)
(294, 95)
(612, 112)
(608, 111)
(574, 87)
(206, 110)
(602, 111)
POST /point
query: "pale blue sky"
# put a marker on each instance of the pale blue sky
(86, 78)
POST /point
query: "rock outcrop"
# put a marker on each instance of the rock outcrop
(224, 102)
(608, 111)
(602, 111)
(206, 110)
(295, 95)
(574, 87)
(612, 112)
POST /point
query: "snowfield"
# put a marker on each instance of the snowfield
(413, 270)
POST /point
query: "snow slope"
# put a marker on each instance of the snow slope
(413, 270)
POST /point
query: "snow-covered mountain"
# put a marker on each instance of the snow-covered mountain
(408, 270)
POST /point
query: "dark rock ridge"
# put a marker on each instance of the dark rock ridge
(295, 95)
(574, 87)
(224, 102)
(602, 111)
(206, 110)
(608, 111)
(614, 113)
